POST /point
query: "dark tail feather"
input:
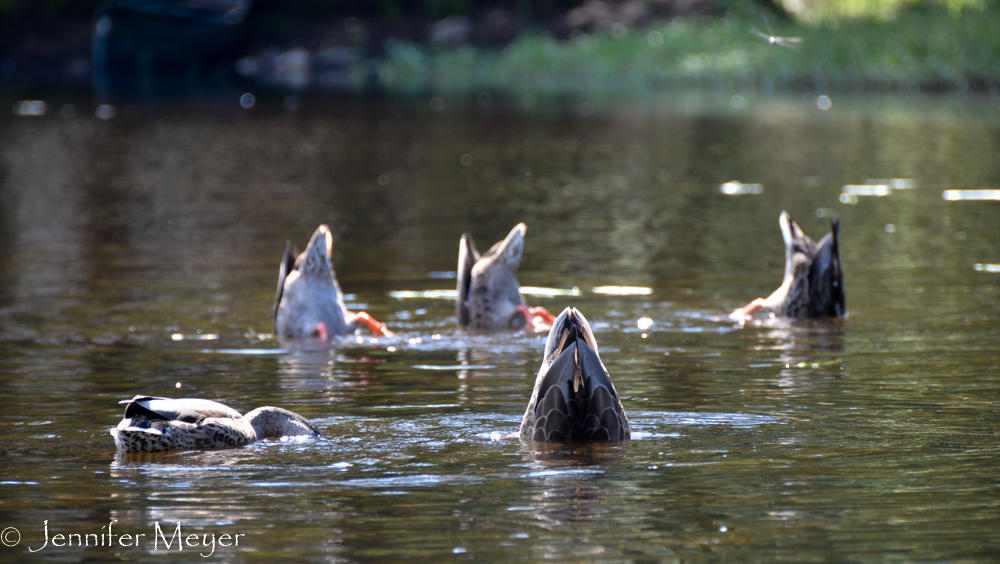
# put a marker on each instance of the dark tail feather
(840, 305)
(467, 257)
(553, 417)
(135, 410)
(605, 417)
(287, 265)
(826, 282)
(576, 401)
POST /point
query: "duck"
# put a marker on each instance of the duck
(574, 398)
(488, 293)
(814, 282)
(153, 424)
(309, 304)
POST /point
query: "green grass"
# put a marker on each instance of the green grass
(927, 49)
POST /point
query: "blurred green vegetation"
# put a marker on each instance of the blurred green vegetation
(820, 10)
(930, 48)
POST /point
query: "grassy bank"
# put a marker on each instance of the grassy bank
(925, 50)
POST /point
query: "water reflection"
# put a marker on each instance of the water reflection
(321, 370)
(177, 464)
(568, 478)
(558, 506)
(552, 458)
(476, 380)
(45, 223)
(807, 332)
(809, 348)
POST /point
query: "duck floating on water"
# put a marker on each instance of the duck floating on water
(814, 284)
(489, 296)
(573, 399)
(154, 424)
(309, 304)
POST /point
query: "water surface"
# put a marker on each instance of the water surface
(140, 256)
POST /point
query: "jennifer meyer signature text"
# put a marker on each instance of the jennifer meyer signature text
(162, 539)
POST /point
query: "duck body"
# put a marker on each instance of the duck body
(488, 293)
(813, 286)
(573, 398)
(309, 304)
(153, 424)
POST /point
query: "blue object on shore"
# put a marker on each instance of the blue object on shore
(137, 41)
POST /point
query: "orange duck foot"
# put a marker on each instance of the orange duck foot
(746, 310)
(539, 317)
(375, 325)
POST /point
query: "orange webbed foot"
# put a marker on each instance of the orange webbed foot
(539, 317)
(376, 326)
(745, 311)
(544, 314)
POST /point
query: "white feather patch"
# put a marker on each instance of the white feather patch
(786, 229)
(146, 430)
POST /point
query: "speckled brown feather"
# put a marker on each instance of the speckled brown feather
(488, 291)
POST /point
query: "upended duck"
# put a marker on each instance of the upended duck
(814, 284)
(309, 304)
(573, 399)
(489, 296)
(154, 424)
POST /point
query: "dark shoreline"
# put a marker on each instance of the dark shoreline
(404, 58)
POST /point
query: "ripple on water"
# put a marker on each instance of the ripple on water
(665, 418)
(454, 367)
(250, 352)
(563, 473)
(412, 480)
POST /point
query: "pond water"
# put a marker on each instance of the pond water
(140, 255)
